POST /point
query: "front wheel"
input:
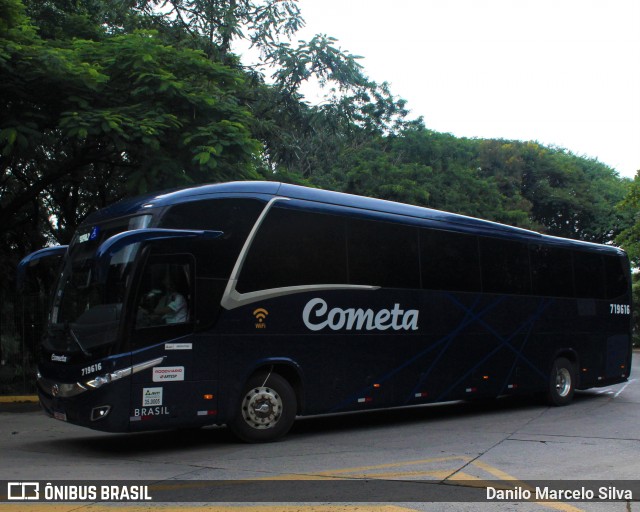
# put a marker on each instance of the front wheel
(562, 382)
(266, 410)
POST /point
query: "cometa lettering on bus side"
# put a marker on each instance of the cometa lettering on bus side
(317, 316)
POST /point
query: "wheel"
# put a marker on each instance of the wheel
(562, 382)
(266, 410)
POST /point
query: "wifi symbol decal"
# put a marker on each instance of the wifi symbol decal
(260, 315)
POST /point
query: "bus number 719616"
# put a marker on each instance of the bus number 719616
(620, 309)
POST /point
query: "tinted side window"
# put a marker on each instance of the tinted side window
(383, 254)
(449, 261)
(617, 276)
(551, 271)
(589, 275)
(505, 266)
(295, 248)
(235, 217)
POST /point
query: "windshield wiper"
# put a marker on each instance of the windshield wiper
(77, 341)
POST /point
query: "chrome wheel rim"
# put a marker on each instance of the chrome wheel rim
(261, 407)
(563, 382)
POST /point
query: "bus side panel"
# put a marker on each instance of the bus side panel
(425, 346)
(370, 349)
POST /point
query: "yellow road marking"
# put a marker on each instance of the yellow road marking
(493, 471)
(512, 479)
(437, 474)
(506, 481)
(394, 465)
(361, 472)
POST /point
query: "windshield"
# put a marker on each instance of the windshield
(86, 311)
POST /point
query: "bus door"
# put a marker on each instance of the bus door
(162, 332)
(181, 388)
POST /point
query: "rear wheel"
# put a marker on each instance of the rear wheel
(266, 410)
(562, 382)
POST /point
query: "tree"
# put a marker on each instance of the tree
(417, 166)
(517, 183)
(299, 139)
(562, 194)
(629, 238)
(84, 122)
(214, 25)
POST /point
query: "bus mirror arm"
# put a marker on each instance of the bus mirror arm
(118, 242)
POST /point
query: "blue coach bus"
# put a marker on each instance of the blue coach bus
(250, 303)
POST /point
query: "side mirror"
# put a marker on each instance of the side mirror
(34, 259)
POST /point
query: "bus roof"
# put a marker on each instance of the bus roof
(276, 189)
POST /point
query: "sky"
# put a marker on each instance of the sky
(564, 73)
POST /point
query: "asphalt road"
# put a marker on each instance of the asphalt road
(382, 456)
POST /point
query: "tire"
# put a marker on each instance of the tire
(562, 382)
(266, 409)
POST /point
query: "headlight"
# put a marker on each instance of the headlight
(101, 380)
(64, 390)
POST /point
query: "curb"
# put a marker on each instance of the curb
(19, 403)
(19, 399)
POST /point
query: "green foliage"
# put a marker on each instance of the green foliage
(213, 25)
(522, 184)
(66, 19)
(84, 122)
(629, 238)
(561, 193)
(100, 100)
(296, 137)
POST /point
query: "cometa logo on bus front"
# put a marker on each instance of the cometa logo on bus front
(317, 316)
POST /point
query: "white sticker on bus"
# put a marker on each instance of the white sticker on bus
(317, 316)
(168, 373)
(151, 397)
(178, 346)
